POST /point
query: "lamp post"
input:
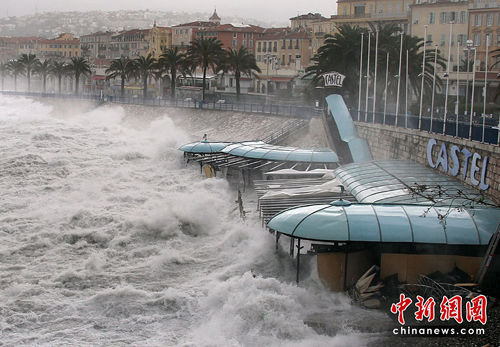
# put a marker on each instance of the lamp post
(485, 78)
(447, 78)
(367, 76)
(406, 91)
(469, 44)
(472, 93)
(458, 87)
(386, 79)
(423, 76)
(360, 76)
(399, 78)
(433, 85)
(268, 58)
(375, 84)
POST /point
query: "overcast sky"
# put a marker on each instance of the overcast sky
(260, 9)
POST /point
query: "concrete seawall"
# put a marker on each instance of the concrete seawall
(388, 142)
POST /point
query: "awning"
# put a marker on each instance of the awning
(264, 151)
(98, 77)
(204, 147)
(346, 222)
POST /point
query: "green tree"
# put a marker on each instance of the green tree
(174, 62)
(29, 62)
(205, 53)
(341, 52)
(122, 68)
(58, 69)
(78, 66)
(144, 67)
(43, 70)
(240, 61)
(16, 68)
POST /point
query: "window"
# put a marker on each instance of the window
(477, 39)
(235, 35)
(487, 40)
(265, 47)
(345, 11)
(431, 18)
(250, 43)
(477, 20)
(463, 17)
(442, 17)
(290, 44)
(283, 59)
(284, 44)
(258, 46)
(380, 8)
(443, 39)
(275, 46)
(415, 18)
(244, 43)
(235, 43)
(297, 44)
(259, 58)
(498, 42)
(489, 19)
(289, 59)
(429, 38)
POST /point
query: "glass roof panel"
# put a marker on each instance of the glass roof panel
(326, 224)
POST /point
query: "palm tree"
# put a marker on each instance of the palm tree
(240, 61)
(77, 67)
(4, 71)
(16, 68)
(43, 70)
(340, 52)
(58, 69)
(173, 61)
(206, 52)
(144, 67)
(120, 68)
(29, 62)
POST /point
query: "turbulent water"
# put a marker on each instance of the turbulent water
(108, 238)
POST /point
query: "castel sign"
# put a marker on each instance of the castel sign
(469, 165)
(333, 79)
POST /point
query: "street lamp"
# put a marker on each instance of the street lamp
(447, 78)
(485, 77)
(423, 75)
(399, 78)
(269, 58)
(360, 77)
(367, 76)
(375, 84)
(469, 44)
(472, 94)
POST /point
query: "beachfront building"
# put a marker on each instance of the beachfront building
(65, 46)
(159, 40)
(183, 34)
(364, 13)
(96, 45)
(282, 54)
(233, 36)
(438, 19)
(484, 24)
(305, 21)
(320, 28)
(129, 44)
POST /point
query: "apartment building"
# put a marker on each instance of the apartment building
(305, 21)
(183, 34)
(484, 24)
(233, 36)
(321, 28)
(130, 44)
(65, 46)
(438, 19)
(96, 45)
(364, 13)
(160, 39)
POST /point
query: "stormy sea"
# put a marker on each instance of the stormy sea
(107, 237)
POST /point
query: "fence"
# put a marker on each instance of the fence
(478, 128)
(304, 112)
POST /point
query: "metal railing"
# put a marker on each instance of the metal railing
(283, 133)
(481, 129)
(294, 111)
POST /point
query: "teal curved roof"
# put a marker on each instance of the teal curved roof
(388, 223)
(204, 147)
(262, 150)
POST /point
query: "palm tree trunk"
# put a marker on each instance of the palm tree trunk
(122, 87)
(145, 90)
(172, 82)
(204, 81)
(59, 82)
(28, 75)
(44, 83)
(77, 81)
(237, 76)
(15, 83)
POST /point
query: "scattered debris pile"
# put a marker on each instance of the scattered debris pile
(366, 291)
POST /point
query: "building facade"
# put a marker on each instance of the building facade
(233, 36)
(484, 25)
(160, 40)
(438, 19)
(96, 45)
(129, 44)
(305, 21)
(64, 47)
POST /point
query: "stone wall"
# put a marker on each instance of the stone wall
(387, 142)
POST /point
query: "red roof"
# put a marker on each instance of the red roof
(196, 24)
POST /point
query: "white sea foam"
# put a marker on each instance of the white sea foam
(108, 238)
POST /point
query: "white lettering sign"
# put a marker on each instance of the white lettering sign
(333, 79)
(442, 160)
